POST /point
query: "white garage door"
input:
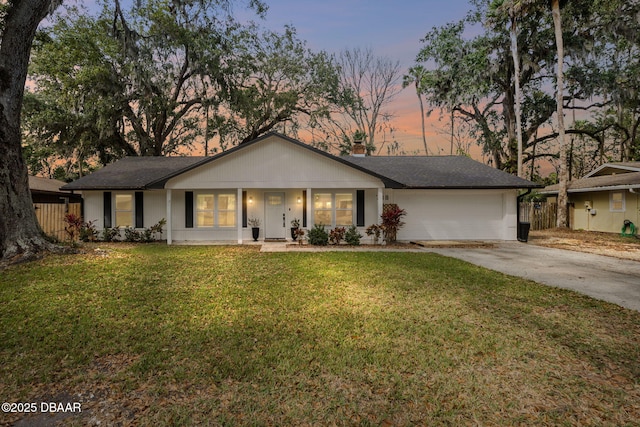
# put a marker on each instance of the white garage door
(455, 215)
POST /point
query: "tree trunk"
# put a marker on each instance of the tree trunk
(20, 233)
(509, 114)
(424, 133)
(518, 100)
(563, 172)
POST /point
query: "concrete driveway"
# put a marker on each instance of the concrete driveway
(605, 278)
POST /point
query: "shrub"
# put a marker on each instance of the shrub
(73, 224)
(147, 235)
(111, 234)
(150, 234)
(88, 232)
(76, 228)
(131, 235)
(337, 235)
(318, 236)
(352, 237)
(392, 222)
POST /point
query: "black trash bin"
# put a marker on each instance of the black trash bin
(523, 231)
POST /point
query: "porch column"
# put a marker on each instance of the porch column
(380, 204)
(239, 215)
(169, 220)
(309, 203)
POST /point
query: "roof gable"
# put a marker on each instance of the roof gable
(614, 168)
(275, 162)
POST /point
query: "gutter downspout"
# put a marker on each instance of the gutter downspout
(519, 199)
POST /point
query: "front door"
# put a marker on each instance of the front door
(274, 216)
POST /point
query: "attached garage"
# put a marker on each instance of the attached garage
(457, 214)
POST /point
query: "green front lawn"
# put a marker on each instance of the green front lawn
(159, 335)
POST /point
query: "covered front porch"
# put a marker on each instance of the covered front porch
(227, 215)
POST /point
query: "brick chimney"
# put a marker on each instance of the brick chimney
(358, 149)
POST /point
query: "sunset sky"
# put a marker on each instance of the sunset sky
(391, 28)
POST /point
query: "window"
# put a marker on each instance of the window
(216, 210)
(124, 210)
(616, 201)
(226, 210)
(204, 210)
(274, 200)
(344, 209)
(322, 209)
(328, 207)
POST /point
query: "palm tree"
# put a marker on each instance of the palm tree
(415, 76)
(514, 9)
(563, 176)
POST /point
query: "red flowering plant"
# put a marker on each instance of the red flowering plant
(337, 235)
(392, 222)
(73, 225)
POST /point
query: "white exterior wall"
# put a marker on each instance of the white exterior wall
(431, 214)
(274, 163)
(371, 215)
(155, 207)
(456, 214)
(93, 208)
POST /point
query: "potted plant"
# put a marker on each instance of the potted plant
(254, 223)
(295, 224)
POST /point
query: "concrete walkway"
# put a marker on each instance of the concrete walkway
(601, 277)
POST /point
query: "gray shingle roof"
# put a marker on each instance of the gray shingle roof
(598, 183)
(45, 185)
(133, 173)
(440, 172)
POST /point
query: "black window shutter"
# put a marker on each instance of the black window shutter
(304, 208)
(139, 209)
(188, 209)
(360, 208)
(244, 209)
(106, 197)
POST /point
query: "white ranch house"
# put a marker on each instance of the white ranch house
(277, 179)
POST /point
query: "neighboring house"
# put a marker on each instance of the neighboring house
(277, 179)
(603, 199)
(51, 205)
(45, 190)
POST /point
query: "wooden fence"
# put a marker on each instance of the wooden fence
(541, 215)
(51, 217)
